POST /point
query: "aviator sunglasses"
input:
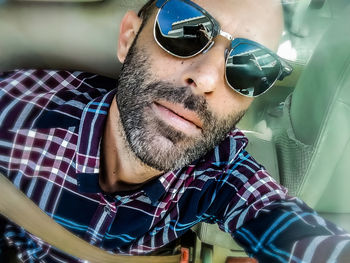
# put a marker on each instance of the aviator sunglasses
(184, 29)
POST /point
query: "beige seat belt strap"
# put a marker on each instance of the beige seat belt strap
(18, 208)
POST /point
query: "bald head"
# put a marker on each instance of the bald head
(258, 20)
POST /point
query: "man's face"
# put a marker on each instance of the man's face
(174, 110)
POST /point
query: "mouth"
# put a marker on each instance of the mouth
(178, 117)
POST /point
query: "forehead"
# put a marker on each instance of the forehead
(259, 20)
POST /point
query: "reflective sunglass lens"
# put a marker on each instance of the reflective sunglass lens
(182, 29)
(251, 70)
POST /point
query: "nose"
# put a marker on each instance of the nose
(205, 72)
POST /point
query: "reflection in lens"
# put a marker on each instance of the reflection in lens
(182, 29)
(251, 70)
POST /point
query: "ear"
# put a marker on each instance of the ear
(129, 27)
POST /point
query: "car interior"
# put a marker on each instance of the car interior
(299, 130)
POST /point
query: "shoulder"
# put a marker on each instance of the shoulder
(230, 177)
(26, 94)
(228, 162)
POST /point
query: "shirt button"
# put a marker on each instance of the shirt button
(107, 210)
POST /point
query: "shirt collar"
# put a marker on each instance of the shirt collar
(89, 183)
(91, 129)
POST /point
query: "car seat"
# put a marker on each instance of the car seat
(313, 147)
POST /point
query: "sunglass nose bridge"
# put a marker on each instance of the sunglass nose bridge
(221, 33)
(226, 35)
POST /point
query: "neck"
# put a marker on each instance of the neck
(120, 169)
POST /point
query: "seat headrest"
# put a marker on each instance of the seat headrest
(324, 80)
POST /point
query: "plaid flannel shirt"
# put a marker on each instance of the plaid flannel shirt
(51, 124)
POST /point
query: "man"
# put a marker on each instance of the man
(129, 167)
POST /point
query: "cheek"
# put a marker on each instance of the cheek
(167, 71)
(163, 66)
(228, 102)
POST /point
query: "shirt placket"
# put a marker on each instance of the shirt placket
(102, 220)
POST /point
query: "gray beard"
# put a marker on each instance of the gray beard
(154, 142)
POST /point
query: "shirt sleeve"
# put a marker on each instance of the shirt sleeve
(274, 227)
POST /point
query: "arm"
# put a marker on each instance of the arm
(292, 232)
(274, 227)
(61, 36)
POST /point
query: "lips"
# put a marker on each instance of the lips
(178, 117)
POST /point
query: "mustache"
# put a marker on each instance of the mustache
(181, 95)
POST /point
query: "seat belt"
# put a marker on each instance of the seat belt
(17, 207)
